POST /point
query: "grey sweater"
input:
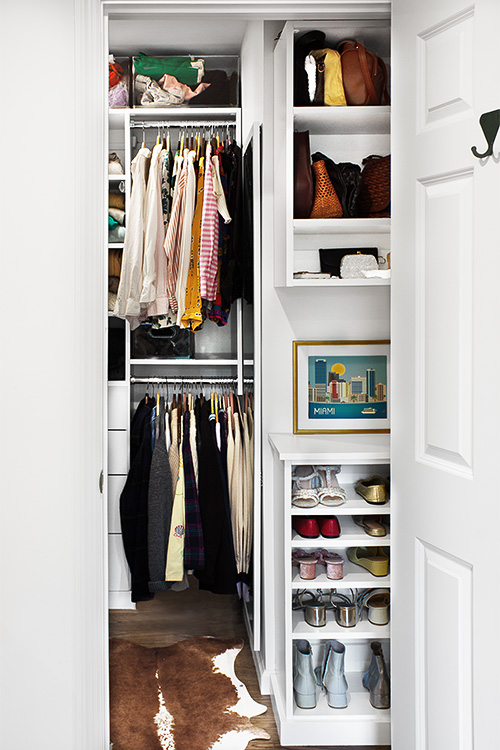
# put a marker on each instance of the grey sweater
(160, 502)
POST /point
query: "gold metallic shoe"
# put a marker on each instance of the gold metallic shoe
(372, 490)
(374, 559)
(371, 524)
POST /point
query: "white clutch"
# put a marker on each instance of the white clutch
(352, 266)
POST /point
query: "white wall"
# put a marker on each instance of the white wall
(51, 357)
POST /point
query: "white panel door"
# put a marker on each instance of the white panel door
(445, 344)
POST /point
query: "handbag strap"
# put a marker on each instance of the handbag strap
(385, 93)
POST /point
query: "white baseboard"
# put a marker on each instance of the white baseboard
(120, 600)
(263, 674)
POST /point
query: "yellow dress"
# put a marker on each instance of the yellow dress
(192, 317)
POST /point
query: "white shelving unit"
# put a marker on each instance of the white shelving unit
(342, 134)
(359, 456)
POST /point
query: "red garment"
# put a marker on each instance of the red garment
(115, 74)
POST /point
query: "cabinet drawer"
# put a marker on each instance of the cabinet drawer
(119, 573)
(118, 407)
(117, 452)
(115, 486)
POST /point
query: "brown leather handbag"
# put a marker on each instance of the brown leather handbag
(375, 194)
(364, 75)
(302, 176)
(326, 201)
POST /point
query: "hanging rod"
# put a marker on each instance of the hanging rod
(194, 381)
(184, 124)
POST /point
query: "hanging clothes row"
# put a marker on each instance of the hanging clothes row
(181, 261)
(187, 504)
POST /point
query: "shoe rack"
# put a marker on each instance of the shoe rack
(344, 134)
(360, 457)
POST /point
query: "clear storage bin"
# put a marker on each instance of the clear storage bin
(186, 80)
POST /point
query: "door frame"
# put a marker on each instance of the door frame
(91, 25)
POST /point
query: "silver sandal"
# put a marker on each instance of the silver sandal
(329, 492)
(304, 487)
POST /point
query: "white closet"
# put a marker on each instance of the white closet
(221, 354)
(285, 309)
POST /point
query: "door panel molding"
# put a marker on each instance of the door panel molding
(443, 640)
(444, 340)
(448, 47)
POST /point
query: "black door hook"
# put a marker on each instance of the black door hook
(490, 124)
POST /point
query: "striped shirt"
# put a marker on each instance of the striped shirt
(209, 234)
(173, 238)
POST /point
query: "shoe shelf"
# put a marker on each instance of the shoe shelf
(359, 706)
(355, 577)
(332, 449)
(354, 505)
(351, 535)
(364, 630)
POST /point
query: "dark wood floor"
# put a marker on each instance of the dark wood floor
(171, 616)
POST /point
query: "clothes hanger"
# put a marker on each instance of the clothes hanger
(143, 144)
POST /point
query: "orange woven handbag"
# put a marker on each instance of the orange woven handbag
(375, 194)
(326, 203)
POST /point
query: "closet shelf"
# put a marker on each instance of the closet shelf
(355, 577)
(364, 629)
(359, 708)
(354, 505)
(341, 226)
(116, 177)
(183, 113)
(341, 282)
(351, 535)
(322, 449)
(115, 245)
(372, 120)
(206, 361)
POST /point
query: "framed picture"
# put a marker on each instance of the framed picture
(340, 387)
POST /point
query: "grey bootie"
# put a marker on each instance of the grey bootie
(376, 679)
(331, 674)
(304, 682)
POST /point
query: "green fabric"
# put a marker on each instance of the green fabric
(156, 67)
(112, 223)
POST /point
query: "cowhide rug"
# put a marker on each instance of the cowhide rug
(180, 697)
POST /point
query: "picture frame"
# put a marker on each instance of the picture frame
(341, 387)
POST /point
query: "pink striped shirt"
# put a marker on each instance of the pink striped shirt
(209, 234)
(172, 243)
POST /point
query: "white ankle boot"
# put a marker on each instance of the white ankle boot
(304, 682)
(331, 674)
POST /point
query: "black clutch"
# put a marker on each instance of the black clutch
(331, 258)
(172, 342)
